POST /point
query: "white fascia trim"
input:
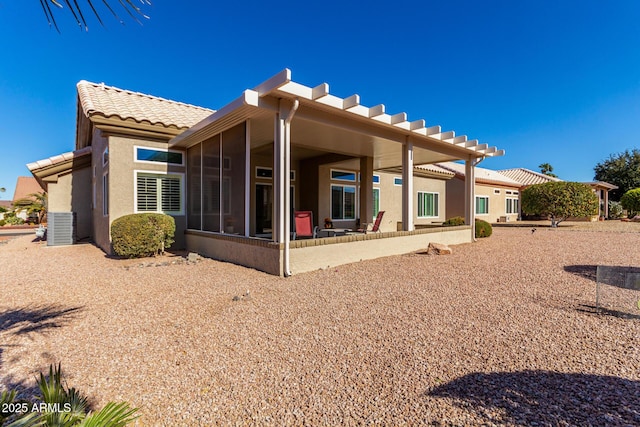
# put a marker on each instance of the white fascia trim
(248, 98)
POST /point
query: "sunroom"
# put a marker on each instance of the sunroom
(283, 147)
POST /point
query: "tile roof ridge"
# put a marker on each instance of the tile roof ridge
(539, 174)
(82, 85)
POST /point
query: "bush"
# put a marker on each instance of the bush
(615, 210)
(456, 220)
(2, 222)
(140, 235)
(11, 219)
(631, 202)
(483, 229)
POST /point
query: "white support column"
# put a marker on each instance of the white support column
(278, 179)
(366, 190)
(407, 186)
(470, 195)
(606, 203)
(247, 177)
(282, 178)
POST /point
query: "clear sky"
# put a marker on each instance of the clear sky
(549, 81)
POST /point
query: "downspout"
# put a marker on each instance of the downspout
(475, 163)
(287, 184)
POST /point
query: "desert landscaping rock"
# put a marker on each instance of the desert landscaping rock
(501, 332)
(438, 249)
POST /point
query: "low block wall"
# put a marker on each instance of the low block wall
(256, 253)
(312, 254)
(322, 253)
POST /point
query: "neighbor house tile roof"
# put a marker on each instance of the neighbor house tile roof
(59, 158)
(5, 204)
(109, 101)
(435, 169)
(26, 185)
(527, 177)
(482, 175)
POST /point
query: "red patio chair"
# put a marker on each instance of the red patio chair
(376, 224)
(303, 221)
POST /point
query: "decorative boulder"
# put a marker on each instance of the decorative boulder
(438, 249)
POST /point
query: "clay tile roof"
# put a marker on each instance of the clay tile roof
(482, 175)
(527, 176)
(435, 169)
(26, 185)
(108, 101)
(59, 158)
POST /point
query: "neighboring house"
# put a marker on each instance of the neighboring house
(25, 186)
(232, 178)
(527, 177)
(497, 197)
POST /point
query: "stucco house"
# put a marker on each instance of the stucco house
(232, 178)
(497, 197)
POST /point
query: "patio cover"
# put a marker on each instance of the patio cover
(286, 113)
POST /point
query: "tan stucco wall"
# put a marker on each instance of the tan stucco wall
(330, 255)
(100, 222)
(72, 193)
(390, 198)
(497, 202)
(122, 169)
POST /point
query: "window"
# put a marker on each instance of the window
(427, 204)
(105, 194)
(512, 206)
(482, 205)
(376, 179)
(105, 156)
(267, 173)
(158, 156)
(376, 201)
(159, 193)
(397, 181)
(343, 202)
(343, 175)
(496, 191)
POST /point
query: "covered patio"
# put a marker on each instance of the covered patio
(284, 146)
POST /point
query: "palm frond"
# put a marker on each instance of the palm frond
(112, 415)
(129, 6)
(34, 419)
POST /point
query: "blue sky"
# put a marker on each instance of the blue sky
(548, 81)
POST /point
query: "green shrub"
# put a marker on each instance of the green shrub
(11, 219)
(631, 202)
(483, 228)
(2, 222)
(456, 220)
(140, 235)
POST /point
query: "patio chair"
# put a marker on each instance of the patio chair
(303, 221)
(376, 224)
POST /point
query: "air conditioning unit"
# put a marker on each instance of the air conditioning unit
(61, 228)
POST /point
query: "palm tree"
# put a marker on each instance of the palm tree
(34, 204)
(132, 9)
(547, 169)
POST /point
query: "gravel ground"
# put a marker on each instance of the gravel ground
(502, 332)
